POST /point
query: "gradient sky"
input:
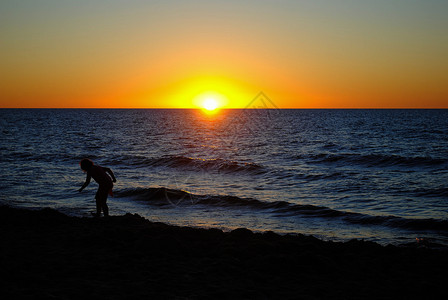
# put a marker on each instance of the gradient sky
(302, 54)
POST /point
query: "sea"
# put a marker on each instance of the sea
(370, 174)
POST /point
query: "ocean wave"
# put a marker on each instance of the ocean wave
(165, 197)
(51, 157)
(320, 176)
(190, 163)
(376, 160)
(438, 192)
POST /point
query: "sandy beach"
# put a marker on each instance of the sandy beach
(48, 254)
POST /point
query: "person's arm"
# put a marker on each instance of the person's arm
(86, 183)
(107, 170)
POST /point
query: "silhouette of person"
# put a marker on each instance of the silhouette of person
(105, 178)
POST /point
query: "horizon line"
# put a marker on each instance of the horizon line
(229, 108)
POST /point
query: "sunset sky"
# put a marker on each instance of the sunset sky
(171, 54)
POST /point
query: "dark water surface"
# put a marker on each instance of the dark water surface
(380, 175)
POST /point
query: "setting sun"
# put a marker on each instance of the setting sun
(210, 104)
(210, 101)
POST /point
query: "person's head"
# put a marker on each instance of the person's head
(86, 164)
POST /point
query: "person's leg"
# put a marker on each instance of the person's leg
(98, 205)
(101, 199)
(105, 207)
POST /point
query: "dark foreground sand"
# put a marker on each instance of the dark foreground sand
(47, 254)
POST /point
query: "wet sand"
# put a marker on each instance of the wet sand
(48, 254)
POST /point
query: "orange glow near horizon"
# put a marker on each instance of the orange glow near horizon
(192, 92)
(301, 54)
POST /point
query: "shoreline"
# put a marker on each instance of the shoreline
(48, 254)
